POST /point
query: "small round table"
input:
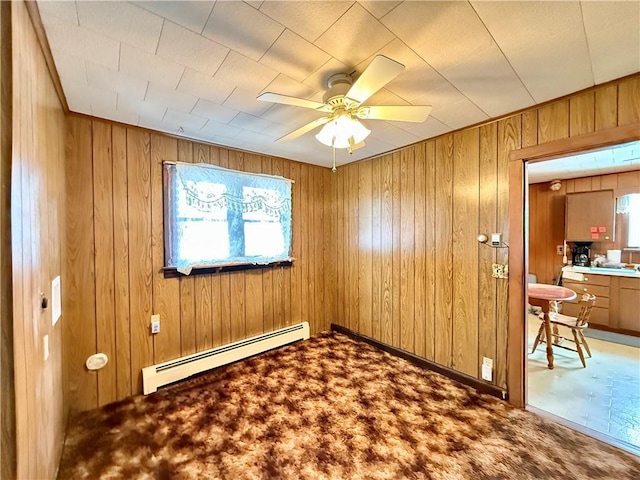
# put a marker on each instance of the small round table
(552, 293)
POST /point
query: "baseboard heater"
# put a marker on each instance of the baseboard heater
(169, 372)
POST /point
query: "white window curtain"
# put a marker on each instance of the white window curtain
(629, 205)
(219, 217)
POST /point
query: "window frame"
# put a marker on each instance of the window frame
(169, 220)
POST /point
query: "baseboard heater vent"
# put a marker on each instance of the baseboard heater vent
(168, 372)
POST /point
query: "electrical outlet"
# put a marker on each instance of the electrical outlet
(500, 270)
(487, 369)
(560, 250)
(155, 323)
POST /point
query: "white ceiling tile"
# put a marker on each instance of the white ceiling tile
(459, 114)
(388, 133)
(254, 137)
(61, 9)
(187, 48)
(428, 129)
(146, 110)
(122, 21)
(541, 37)
(294, 56)
(70, 66)
(319, 79)
(246, 102)
(220, 129)
(378, 8)
(291, 116)
(190, 14)
(385, 97)
(444, 95)
(488, 80)
(114, 81)
(175, 120)
(203, 86)
(287, 86)
(123, 116)
(76, 101)
(612, 27)
(244, 73)
(258, 125)
(85, 94)
(309, 19)
(149, 67)
(67, 37)
(254, 4)
(213, 111)
(242, 28)
(355, 36)
(442, 33)
(159, 95)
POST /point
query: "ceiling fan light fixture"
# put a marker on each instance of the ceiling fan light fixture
(342, 132)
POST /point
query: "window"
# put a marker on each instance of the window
(628, 208)
(215, 217)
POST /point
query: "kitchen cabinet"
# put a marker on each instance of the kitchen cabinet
(626, 307)
(589, 216)
(598, 285)
(617, 304)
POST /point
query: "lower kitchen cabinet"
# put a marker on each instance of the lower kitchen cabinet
(626, 304)
(617, 301)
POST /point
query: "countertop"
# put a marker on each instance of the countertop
(615, 272)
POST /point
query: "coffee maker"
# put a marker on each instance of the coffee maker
(581, 254)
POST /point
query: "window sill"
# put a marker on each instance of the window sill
(172, 272)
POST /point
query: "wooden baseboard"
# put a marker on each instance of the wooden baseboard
(479, 385)
(622, 331)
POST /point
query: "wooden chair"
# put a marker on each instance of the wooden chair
(577, 325)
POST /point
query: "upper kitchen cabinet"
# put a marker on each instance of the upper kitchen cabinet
(590, 216)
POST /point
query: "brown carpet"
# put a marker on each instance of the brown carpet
(329, 408)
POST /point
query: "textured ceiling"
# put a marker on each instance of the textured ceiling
(194, 68)
(621, 158)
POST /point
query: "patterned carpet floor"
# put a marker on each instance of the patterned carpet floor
(328, 408)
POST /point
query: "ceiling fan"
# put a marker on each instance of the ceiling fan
(342, 103)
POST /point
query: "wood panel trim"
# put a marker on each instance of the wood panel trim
(558, 148)
(421, 362)
(518, 259)
(36, 20)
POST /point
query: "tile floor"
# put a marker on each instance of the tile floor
(604, 397)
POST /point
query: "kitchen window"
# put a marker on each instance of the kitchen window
(217, 218)
(628, 209)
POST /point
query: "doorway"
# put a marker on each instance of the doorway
(531, 367)
(602, 395)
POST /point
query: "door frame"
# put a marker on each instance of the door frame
(519, 239)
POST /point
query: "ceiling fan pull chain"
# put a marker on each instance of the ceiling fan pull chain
(334, 169)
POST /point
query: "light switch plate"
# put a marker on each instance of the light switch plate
(155, 323)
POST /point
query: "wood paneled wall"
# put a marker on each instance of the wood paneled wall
(7, 390)
(547, 220)
(37, 217)
(114, 279)
(409, 271)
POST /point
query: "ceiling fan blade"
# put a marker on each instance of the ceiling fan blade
(401, 113)
(296, 102)
(304, 129)
(379, 72)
